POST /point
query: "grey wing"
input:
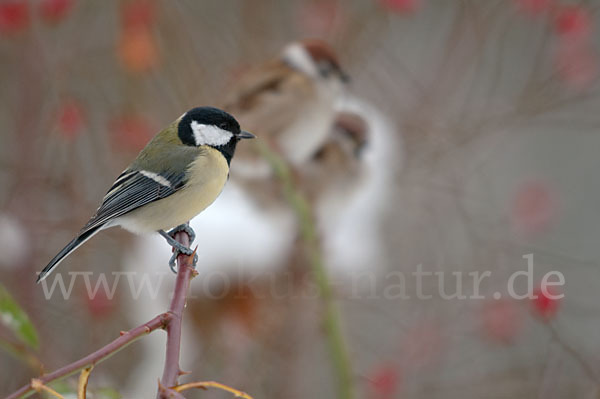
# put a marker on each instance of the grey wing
(131, 190)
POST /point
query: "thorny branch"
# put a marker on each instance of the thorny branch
(185, 273)
(169, 321)
(92, 359)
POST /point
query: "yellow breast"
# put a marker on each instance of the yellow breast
(206, 177)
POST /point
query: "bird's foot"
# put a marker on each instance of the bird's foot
(185, 228)
(177, 252)
(179, 248)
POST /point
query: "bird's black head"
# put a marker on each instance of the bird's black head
(211, 127)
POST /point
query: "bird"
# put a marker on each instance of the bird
(338, 166)
(348, 180)
(348, 183)
(353, 180)
(179, 173)
(291, 99)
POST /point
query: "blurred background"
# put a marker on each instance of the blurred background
(480, 126)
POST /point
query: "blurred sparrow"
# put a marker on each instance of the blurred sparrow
(290, 100)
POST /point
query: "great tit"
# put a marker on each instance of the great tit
(176, 176)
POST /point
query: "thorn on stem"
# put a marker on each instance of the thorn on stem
(161, 387)
(165, 319)
(36, 384)
(167, 393)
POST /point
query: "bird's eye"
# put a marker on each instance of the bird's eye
(325, 68)
(223, 126)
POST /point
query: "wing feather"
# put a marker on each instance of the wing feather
(137, 190)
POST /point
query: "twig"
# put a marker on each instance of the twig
(168, 393)
(39, 386)
(170, 321)
(185, 273)
(83, 381)
(212, 384)
(308, 230)
(100, 355)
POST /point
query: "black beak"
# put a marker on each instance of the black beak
(245, 135)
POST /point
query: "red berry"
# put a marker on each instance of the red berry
(55, 10)
(101, 304)
(320, 18)
(14, 16)
(70, 119)
(138, 14)
(577, 65)
(401, 6)
(573, 22)
(137, 50)
(501, 320)
(533, 7)
(533, 208)
(130, 132)
(546, 304)
(384, 381)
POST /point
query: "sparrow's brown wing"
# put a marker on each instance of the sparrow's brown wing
(268, 99)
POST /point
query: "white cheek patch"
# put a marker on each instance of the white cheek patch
(210, 134)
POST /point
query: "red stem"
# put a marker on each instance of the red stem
(185, 273)
(170, 321)
(101, 354)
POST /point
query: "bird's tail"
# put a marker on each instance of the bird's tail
(70, 247)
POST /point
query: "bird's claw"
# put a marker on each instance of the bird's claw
(185, 228)
(179, 251)
(179, 248)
